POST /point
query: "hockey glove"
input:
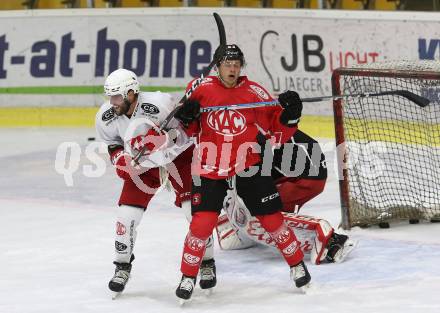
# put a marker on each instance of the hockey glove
(151, 141)
(188, 112)
(292, 108)
(122, 161)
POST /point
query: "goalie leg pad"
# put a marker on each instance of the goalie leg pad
(128, 219)
(238, 229)
(314, 234)
(230, 237)
(232, 226)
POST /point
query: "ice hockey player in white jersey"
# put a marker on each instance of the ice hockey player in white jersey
(127, 123)
(237, 229)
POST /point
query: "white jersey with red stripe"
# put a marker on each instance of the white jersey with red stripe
(151, 110)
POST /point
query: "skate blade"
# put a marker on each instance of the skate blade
(306, 288)
(182, 302)
(208, 291)
(312, 288)
(115, 295)
(342, 254)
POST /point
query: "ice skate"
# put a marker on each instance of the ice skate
(208, 278)
(185, 289)
(339, 246)
(120, 279)
(300, 275)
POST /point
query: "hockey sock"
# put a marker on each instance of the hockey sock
(128, 219)
(200, 229)
(283, 236)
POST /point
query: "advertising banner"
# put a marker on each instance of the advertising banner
(63, 56)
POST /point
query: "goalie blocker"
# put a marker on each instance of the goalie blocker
(237, 229)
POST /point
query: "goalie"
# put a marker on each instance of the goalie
(304, 180)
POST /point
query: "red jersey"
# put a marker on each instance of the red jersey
(226, 139)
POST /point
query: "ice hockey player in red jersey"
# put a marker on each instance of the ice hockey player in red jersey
(126, 123)
(227, 153)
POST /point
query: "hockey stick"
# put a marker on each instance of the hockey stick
(419, 100)
(195, 84)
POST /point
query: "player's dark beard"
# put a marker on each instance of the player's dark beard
(124, 108)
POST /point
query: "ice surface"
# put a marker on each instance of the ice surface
(57, 249)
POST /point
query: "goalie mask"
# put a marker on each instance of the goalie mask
(231, 52)
(120, 82)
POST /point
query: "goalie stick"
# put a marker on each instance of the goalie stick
(195, 84)
(419, 100)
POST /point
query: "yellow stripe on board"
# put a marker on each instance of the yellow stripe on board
(401, 132)
(318, 126)
(48, 116)
(315, 126)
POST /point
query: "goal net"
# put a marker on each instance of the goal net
(389, 146)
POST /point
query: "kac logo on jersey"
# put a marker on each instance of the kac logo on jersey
(150, 108)
(260, 92)
(227, 122)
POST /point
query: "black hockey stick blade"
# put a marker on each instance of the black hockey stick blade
(197, 82)
(419, 100)
(221, 29)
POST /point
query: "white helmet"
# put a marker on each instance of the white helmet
(120, 82)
